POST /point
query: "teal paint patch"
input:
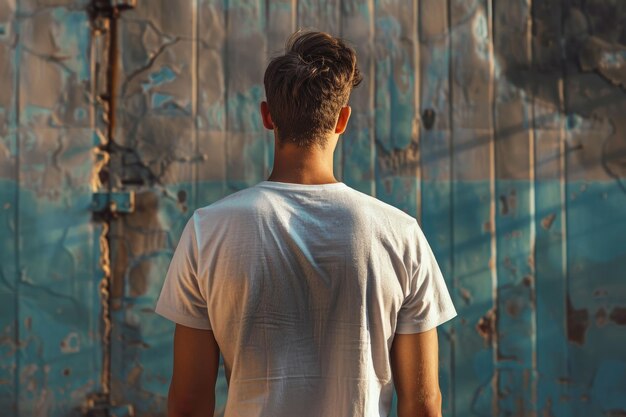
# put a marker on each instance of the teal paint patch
(403, 121)
(246, 141)
(32, 114)
(160, 100)
(59, 301)
(358, 156)
(8, 256)
(474, 368)
(9, 319)
(550, 289)
(163, 75)
(214, 117)
(600, 209)
(401, 192)
(537, 359)
(8, 348)
(609, 387)
(250, 11)
(53, 301)
(514, 227)
(243, 110)
(80, 114)
(73, 32)
(596, 255)
(395, 80)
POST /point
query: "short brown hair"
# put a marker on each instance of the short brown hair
(308, 85)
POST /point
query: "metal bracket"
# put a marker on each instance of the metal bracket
(107, 5)
(113, 202)
(98, 406)
(124, 4)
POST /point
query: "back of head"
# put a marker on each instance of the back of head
(308, 85)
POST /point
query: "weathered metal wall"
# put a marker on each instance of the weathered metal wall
(49, 303)
(500, 125)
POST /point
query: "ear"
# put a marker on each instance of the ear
(342, 121)
(266, 116)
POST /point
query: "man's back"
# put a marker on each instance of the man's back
(304, 287)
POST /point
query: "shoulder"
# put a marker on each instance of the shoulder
(237, 210)
(243, 200)
(379, 210)
(231, 216)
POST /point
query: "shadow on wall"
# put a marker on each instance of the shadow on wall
(593, 73)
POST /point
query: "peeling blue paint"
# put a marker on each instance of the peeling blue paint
(164, 75)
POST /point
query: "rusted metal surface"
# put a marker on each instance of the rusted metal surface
(498, 124)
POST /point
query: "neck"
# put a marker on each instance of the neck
(302, 166)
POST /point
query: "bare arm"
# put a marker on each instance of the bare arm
(196, 361)
(415, 367)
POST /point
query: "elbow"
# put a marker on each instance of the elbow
(431, 406)
(430, 411)
(178, 408)
(175, 410)
(182, 409)
(189, 406)
(420, 406)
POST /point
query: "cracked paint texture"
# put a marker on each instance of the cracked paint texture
(499, 124)
(48, 263)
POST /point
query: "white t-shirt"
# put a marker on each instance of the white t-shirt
(304, 287)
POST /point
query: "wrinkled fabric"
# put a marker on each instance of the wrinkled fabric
(304, 287)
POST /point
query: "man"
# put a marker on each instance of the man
(320, 298)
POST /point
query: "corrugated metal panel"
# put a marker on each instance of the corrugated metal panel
(499, 125)
(49, 272)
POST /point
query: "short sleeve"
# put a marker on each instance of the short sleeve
(181, 299)
(428, 303)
